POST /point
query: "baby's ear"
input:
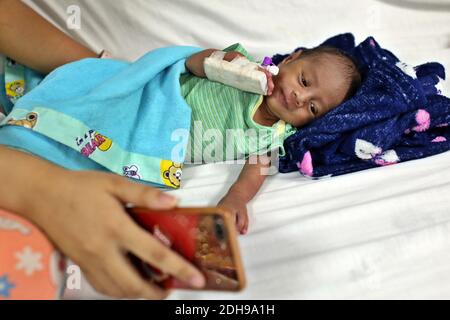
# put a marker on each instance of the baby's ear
(291, 57)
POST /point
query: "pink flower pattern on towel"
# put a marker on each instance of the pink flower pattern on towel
(439, 139)
(306, 166)
(423, 121)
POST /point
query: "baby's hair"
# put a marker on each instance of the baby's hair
(348, 62)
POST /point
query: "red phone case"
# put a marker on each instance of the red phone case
(204, 236)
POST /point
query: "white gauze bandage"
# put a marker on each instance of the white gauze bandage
(240, 73)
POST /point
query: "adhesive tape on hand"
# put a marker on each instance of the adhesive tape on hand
(218, 55)
(240, 61)
(273, 70)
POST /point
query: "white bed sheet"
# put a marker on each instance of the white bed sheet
(381, 233)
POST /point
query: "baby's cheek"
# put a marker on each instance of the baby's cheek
(299, 119)
(278, 80)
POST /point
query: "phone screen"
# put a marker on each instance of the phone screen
(204, 239)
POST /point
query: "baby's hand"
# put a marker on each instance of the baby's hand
(195, 64)
(238, 210)
(270, 84)
(230, 56)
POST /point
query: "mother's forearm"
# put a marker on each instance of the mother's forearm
(24, 179)
(31, 40)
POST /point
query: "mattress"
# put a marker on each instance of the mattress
(380, 233)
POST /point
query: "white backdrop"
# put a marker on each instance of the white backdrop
(130, 28)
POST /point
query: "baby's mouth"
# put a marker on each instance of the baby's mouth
(282, 99)
(287, 101)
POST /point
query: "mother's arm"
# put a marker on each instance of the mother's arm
(31, 40)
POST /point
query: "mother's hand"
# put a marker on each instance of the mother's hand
(83, 214)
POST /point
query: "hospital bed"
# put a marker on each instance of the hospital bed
(380, 233)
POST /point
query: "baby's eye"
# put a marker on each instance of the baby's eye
(303, 81)
(313, 109)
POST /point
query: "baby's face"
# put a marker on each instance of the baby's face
(307, 88)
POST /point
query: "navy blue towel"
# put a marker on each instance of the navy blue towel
(398, 114)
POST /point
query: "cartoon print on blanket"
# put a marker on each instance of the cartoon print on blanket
(110, 115)
(28, 122)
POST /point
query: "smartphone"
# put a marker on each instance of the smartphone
(206, 237)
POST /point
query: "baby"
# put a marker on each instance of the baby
(310, 83)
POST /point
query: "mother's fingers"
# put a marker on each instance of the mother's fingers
(152, 251)
(102, 282)
(130, 282)
(141, 195)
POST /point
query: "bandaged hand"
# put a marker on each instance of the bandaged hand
(195, 64)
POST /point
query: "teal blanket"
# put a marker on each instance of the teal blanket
(126, 118)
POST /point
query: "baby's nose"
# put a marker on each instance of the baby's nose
(299, 99)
